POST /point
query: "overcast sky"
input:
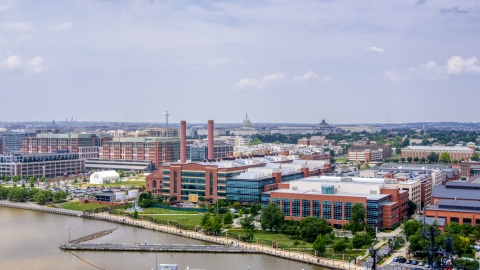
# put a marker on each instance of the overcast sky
(279, 61)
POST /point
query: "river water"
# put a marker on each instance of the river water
(31, 240)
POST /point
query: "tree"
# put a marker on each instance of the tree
(416, 159)
(228, 219)
(320, 244)
(361, 239)
(475, 157)
(356, 222)
(32, 181)
(339, 246)
(272, 217)
(248, 225)
(405, 143)
(422, 160)
(255, 209)
(455, 161)
(84, 179)
(237, 205)
(409, 159)
(445, 157)
(40, 198)
(135, 214)
(411, 227)
(402, 159)
(310, 227)
(372, 231)
(433, 157)
(217, 225)
(412, 207)
(59, 196)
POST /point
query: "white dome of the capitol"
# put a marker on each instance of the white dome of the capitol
(246, 122)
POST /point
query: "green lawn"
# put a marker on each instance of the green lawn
(189, 220)
(282, 239)
(78, 206)
(287, 240)
(153, 210)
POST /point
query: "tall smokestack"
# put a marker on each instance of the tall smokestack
(183, 141)
(210, 139)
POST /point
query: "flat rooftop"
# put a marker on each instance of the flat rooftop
(314, 192)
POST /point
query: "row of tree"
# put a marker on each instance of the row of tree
(22, 194)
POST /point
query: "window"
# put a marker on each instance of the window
(276, 201)
(327, 209)
(467, 221)
(454, 219)
(316, 209)
(337, 210)
(305, 208)
(154, 183)
(347, 209)
(296, 207)
(286, 206)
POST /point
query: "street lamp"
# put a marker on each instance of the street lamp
(69, 227)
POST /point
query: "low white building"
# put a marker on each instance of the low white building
(104, 177)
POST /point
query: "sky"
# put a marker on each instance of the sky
(279, 61)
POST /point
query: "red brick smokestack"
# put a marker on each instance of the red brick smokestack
(210, 139)
(183, 141)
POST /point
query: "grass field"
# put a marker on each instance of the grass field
(77, 206)
(287, 240)
(190, 220)
(282, 239)
(153, 210)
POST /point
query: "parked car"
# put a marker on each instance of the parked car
(408, 262)
(421, 264)
(395, 259)
(414, 262)
(402, 260)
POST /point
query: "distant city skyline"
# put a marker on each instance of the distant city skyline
(279, 61)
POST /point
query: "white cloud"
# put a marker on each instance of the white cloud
(304, 77)
(375, 49)
(309, 75)
(63, 26)
(12, 62)
(430, 70)
(242, 62)
(262, 83)
(35, 66)
(22, 26)
(220, 61)
(457, 64)
(31, 67)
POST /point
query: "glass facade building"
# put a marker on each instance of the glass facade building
(247, 190)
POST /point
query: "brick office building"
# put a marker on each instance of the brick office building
(157, 150)
(384, 150)
(456, 152)
(469, 168)
(53, 143)
(385, 206)
(212, 179)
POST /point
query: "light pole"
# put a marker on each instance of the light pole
(333, 260)
(69, 227)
